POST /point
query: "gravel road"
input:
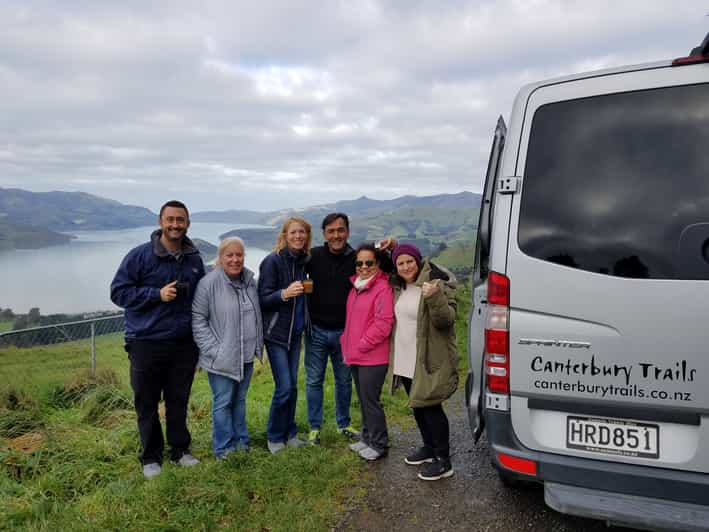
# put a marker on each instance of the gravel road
(473, 499)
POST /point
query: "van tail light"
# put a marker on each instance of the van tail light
(498, 289)
(518, 465)
(690, 60)
(497, 334)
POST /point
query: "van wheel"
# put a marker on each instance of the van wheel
(513, 482)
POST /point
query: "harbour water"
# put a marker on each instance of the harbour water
(75, 277)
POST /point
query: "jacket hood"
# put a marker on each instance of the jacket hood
(188, 246)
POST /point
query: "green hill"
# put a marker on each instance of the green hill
(358, 209)
(13, 236)
(69, 211)
(457, 256)
(428, 221)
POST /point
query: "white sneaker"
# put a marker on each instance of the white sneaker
(187, 460)
(295, 442)
(151, 470)
(276, 446)
(358, 446)
(370, 454)
(224, 455)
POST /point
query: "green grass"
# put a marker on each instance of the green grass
(6, 325)
(464, 300)
(85, 475)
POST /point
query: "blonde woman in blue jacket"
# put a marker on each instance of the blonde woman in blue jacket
(285, 314)
(227, 327)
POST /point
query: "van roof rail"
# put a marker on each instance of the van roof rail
(699, 54)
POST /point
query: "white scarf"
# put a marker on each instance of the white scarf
(361, 283)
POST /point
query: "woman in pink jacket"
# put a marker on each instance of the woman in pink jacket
(365, 347)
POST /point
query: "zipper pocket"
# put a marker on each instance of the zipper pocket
(272, 323)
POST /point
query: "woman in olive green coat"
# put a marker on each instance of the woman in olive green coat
(423, 355)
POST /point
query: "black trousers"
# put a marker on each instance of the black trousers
(368, 383)
(162, 369)
(433, 425)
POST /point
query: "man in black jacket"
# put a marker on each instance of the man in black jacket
(330, 267)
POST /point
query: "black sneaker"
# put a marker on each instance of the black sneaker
(436, 470)
(420, 456)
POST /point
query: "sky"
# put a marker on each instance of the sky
(274, 104)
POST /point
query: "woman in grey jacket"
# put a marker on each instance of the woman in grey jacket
(227, 327)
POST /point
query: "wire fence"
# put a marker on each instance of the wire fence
(64, 332)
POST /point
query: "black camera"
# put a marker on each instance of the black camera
(182, 290)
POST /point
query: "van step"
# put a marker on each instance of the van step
(623, 509)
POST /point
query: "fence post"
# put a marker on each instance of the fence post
(93, 349)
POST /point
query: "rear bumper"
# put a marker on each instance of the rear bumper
(617, 492)
(624, 509)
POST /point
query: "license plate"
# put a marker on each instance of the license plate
(613, 436)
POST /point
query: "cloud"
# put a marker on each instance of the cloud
(270, 104)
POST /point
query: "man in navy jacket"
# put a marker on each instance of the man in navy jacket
(154, 284)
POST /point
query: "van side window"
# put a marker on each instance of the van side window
(619, 184)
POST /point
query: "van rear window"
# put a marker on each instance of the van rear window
(619, 184)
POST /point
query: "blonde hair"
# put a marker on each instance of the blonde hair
(228, 241)
(281, 239)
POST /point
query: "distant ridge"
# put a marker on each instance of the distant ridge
(356, 207)
(431, 222)
(438, 223)
(459, 200)
(69, 211)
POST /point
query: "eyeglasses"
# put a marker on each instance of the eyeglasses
(367, 263)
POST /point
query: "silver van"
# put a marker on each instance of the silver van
(589, 334)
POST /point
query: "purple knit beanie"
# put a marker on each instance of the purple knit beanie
(406, 249)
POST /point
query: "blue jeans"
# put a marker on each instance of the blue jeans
(319, 345)
(229, 431)
(284, 366)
